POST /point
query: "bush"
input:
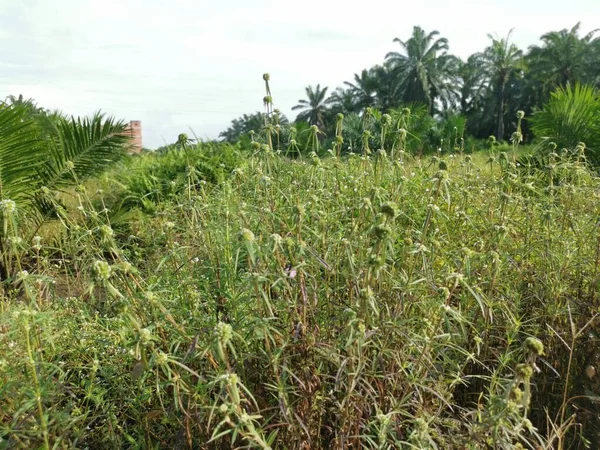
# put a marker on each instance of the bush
(151, 178)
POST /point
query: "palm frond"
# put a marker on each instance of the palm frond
(83, 147)
(21, 151)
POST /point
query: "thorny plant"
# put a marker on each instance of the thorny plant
(373, 301)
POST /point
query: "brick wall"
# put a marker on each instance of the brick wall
(134, 129)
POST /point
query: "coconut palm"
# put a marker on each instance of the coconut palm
(499, 62)
(424, 70)
(314, 107)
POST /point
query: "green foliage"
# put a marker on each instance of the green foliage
(155, 177)
(429, 303)
(571, 117)
(240, 128)
(425, 71)
(21, 151)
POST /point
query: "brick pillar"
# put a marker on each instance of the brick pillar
(135, 130)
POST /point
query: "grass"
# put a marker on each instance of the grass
(318, 303)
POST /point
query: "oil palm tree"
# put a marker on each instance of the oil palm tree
(499, 62)
(41, 154)
(313, 108)
(424, 70)
(364, 88)
(344, 101)
(564, 57)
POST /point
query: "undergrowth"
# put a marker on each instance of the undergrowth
(374, 301)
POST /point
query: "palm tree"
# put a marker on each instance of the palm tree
(499, 62)
(344, 101)
(563, 58)
(424, 70)
(313, 109)
(364, 88)
(41, 155)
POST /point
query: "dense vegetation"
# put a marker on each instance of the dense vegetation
(220, 296)
(316, 284)
(481, 94)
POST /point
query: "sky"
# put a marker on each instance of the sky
(184, 66)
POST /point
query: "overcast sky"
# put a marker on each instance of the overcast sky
(179, 64)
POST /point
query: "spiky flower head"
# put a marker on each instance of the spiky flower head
(8, 206)
(389, 209)
(534, 345)
(106, 231)
(515, 394)
(102, 270)
(246, 235)
(224, 332)
(381, 231)
(162, 359)
(524, 371)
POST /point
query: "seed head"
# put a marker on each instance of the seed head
(246, 235)
(224, 332)
(8, 206)
(389, 209)
(102, 270)
(524, 371)
(534, 345)
(162, 359)
(381, 231)
(106, 231)
(145, 336)
(516, 394)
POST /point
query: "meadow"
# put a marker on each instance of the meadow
(222, 297)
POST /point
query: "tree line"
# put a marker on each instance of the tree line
(483, 92)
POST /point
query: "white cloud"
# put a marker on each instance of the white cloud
(199, 64)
